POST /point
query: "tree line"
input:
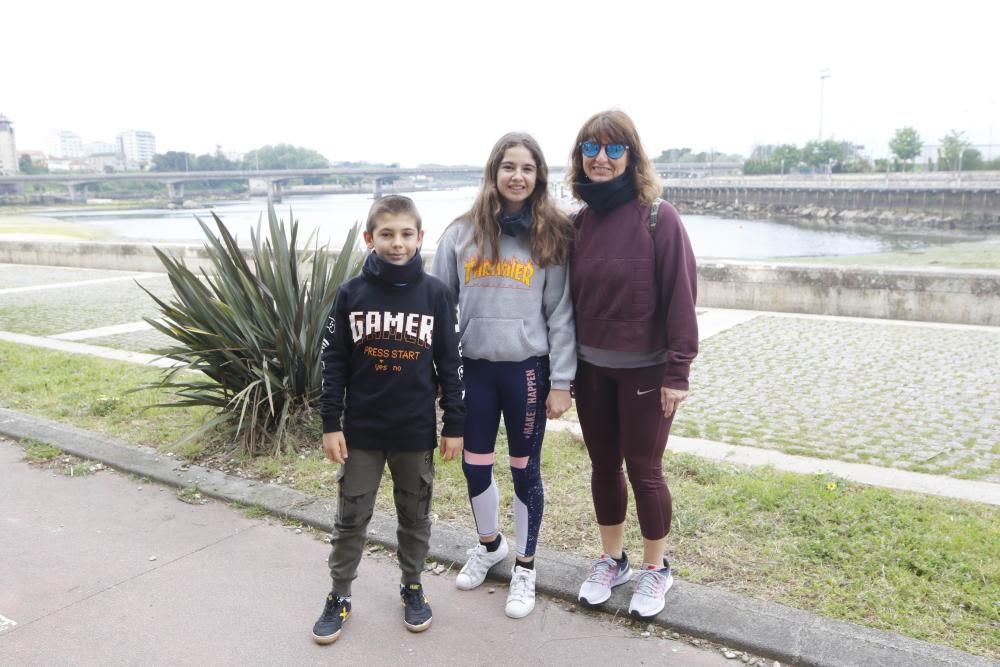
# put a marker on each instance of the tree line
(954, 153)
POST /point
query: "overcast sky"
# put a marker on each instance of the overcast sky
(435, 81)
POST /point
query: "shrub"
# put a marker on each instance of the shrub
(252, 330)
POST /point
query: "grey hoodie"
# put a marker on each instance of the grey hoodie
(511, 310)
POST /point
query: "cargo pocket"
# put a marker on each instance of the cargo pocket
(426, 494)
(355, 500)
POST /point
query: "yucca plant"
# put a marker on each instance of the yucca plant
(252, 330)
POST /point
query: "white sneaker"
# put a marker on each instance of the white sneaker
(650, 588)
(480, 561)
(521, 598)
(604, 575)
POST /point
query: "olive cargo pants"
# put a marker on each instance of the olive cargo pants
(358, 482)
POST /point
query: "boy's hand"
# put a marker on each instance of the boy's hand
(557, 403)
(451, 447)
(335, 446)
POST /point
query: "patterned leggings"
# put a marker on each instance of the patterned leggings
(516, 390)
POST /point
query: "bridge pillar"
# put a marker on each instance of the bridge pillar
(274, 191)
(175, 192)
(377, 187)
(77, 191)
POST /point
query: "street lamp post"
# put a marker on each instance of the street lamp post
(824, 74)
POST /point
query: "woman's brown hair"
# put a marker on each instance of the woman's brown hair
(611, 127)
(551, 230)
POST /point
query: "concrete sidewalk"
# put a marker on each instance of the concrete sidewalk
(107, 570)
(760, 628)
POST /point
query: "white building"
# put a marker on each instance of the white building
(99, 148)
(65, 144)
(8, 150)
(138, 147)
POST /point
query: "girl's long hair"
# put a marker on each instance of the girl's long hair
(608, 127)
(551, 230)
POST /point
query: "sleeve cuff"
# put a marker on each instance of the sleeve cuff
(331, 425)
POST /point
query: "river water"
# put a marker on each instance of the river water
(332, 215)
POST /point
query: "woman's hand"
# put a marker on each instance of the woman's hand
(557, 403)
(671, 399)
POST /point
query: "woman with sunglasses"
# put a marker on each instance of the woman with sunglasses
(633, 282)
(505, 260)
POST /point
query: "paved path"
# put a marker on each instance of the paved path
(107, 570)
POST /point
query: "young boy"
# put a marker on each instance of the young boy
(391, 339)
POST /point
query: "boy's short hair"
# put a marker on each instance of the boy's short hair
(392, 205)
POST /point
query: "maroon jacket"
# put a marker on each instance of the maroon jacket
(633, 292)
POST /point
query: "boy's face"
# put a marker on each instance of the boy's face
(395, 238)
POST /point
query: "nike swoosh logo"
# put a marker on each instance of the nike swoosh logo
(640, 393)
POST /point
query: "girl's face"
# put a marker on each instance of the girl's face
(516, 177)
(601, 168)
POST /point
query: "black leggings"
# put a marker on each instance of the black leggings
(622, 420)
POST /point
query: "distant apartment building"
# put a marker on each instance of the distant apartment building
(59, 164)
(8, 149)
(138, 148)
(99, 148)
(64, 144)
(106, 162)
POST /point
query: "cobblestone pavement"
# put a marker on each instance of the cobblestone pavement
(20, 275)
(922, 398)
(49, 312)
(148, 341)
(918, 397)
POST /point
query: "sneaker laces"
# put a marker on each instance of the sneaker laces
(475, 554)
(650, 583)
(331, 608)
(519, 585)
(603, 571)
(413, 598)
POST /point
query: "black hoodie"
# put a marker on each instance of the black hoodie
(391, 339)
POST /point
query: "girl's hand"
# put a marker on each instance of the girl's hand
(557, 403)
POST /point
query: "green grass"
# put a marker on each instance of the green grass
(921, 566)
(91, 393)
(40, 452)
(977, 255)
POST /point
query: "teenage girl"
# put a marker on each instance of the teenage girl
(506, 261)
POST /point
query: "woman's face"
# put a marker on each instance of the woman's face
(601, 168)
(516, 177)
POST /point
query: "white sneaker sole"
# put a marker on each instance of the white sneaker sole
(519, 613)
(634, 613)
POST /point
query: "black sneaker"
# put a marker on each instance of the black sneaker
(416, 611)
(335, 612)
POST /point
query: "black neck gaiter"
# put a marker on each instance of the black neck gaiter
(513, 224)
(608, 195)
(376, 267)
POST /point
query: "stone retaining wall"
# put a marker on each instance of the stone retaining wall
(931, 295)
(934, 295)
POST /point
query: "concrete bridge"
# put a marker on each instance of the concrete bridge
(273, 180)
